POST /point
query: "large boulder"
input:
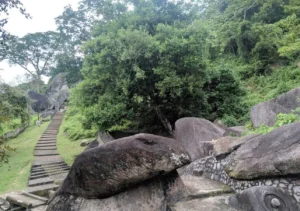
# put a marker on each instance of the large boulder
(274, 154)
(111, 168)
(196, 135)
(264, 199)
(155, 194)
(58, 90)
(56, 94)
(222, 146)
(266, 112)
(39, 102)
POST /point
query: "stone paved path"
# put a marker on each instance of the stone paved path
(48, 167)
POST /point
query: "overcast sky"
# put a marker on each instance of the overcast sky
(43, 13)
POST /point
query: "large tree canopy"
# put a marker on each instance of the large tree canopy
(34, 52)
(148, 68)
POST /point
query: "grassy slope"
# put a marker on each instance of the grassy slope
(68, 149)
(14, 175)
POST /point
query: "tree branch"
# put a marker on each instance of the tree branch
(245, 11)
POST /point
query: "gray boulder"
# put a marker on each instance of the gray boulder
(265, 113)
(274, 154)
(264, 198)
(57, 93)
(195, 135)
(222, 146)
(152, 195)
(39, 102)
(58, 90)
(111, 168)
(92, 145)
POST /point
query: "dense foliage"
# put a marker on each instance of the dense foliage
(151, 67)
(144, 64)
(12, 106)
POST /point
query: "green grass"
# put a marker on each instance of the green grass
(14, 174)
(67, 148)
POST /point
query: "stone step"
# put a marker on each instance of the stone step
(49, 170)
(45, 144)
(42, 188)
(59, 171)
(49, 164)
(45, 148)
(213, 203)
(50, 175)
(38, 176)
(45, 152)
(41, 181)
(26, 200)
(52, 165)
(50, 131)
(47, 139)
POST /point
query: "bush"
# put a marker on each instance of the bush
(73, 126)
(281, 119)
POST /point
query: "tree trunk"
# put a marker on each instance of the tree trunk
(164, 120)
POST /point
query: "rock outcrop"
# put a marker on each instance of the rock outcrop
(272, 159)
(274, 154)
(265, 113)
(57, 93)
(196, 135)
(222, 146)
(152, 195)
(132, 173)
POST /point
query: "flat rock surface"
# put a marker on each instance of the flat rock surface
(202, 187)
(217, 203)
(27, 199)
(274, 154)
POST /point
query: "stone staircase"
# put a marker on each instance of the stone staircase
(48, 167)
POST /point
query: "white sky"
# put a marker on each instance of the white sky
(43, 13)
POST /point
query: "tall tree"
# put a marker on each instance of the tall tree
(35, 52)
(147, 68)
(5, 6)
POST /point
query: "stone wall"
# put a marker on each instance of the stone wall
(15, 133)
(214, 169)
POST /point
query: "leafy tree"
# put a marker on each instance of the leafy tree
(35, 53)
(68, 64)
(12, 105)
(150, 73)
(5, 6)
(74, 28)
